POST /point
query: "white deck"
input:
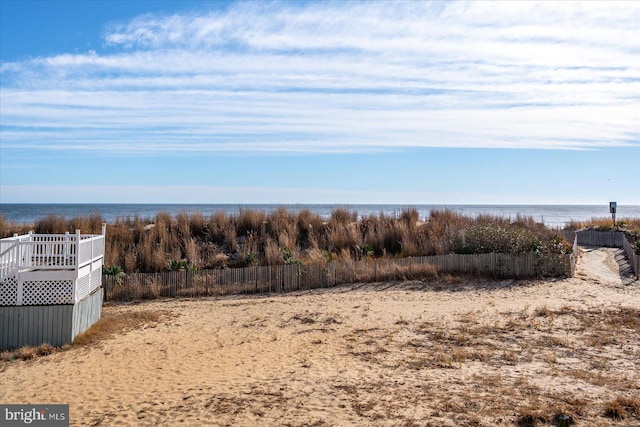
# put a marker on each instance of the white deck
(44, 269)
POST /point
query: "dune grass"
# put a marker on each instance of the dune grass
(628, 225)
(251, 237)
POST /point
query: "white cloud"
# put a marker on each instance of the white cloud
(335, 77)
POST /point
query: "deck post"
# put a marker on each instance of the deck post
(91, 263)
(20, 283)
(75, 282)
(77, 250)
(104, 245)
(66, 248)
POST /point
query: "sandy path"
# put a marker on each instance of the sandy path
(599, 264)
(345, 356)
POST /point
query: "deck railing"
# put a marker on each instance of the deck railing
(49, 252)
(9, 253)
(50, 268)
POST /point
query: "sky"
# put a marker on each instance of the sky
(319, 102)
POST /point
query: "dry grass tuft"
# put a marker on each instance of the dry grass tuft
(530, 419)
(541, 417)
(27, 353)
(114, 323)
(543, 311)
(622, 408)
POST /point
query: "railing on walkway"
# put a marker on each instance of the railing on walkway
(634, 259)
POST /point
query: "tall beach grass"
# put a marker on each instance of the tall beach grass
(252, 237)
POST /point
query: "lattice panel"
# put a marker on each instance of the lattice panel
(47, 292)
(9, 291)
(83, 286)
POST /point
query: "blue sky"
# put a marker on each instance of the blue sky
(319, 102)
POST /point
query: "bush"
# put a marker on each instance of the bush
(113, 270)
(511, 239)
(251, 259)
(177, 265)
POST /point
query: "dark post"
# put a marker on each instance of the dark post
(612, 208)
(564, 420)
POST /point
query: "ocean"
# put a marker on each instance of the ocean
(551, 215)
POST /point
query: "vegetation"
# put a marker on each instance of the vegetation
(569, 350)
(113, 270)
(629, 226)
(251, 237)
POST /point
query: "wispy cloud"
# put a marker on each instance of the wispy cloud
(336, 77)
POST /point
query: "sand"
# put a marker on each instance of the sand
(473, 352)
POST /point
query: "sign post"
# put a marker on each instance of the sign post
(612, 209)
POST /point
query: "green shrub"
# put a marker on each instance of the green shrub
(251, 259)
(113, 270)
(178, 265)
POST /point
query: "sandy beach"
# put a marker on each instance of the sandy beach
(454, 352)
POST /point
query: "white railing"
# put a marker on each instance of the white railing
(33, 259)
(10, 254)
(9, 262)
(90, 249)
(52, 255)
(49, 252)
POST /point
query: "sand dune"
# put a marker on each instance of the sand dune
(447, 353)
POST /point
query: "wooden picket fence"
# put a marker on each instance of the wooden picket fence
(294, 277)
(609, 239)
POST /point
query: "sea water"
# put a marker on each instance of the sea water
(551, 215)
